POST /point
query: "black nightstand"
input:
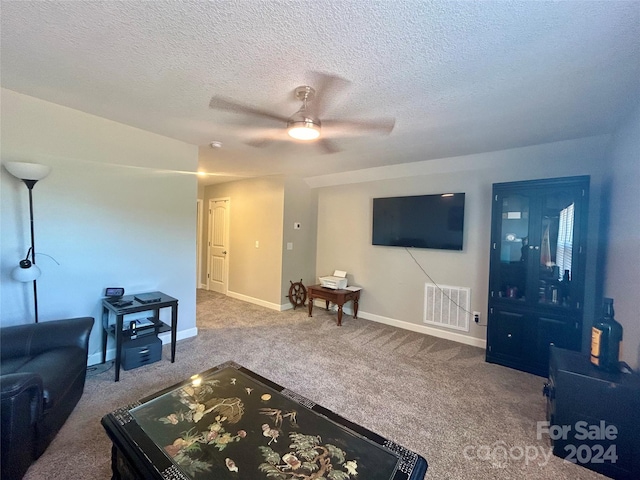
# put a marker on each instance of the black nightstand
(594, 416)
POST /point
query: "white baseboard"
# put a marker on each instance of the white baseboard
(96, 358)
(434, 332)
(256, 301)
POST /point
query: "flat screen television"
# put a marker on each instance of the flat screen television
(421, 221)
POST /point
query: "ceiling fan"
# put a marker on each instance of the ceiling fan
(306, 125)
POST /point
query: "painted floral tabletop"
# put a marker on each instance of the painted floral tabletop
(229, 423)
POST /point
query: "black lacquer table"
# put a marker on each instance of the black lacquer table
(230, 423)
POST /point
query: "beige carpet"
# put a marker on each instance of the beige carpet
(469, 419)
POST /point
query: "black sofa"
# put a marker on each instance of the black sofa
(43, 368)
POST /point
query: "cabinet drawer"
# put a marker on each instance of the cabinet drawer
(141, 351)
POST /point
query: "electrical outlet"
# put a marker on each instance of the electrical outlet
(476, 317)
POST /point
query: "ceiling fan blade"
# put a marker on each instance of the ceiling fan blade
(222, 103)
(382, 125)
(266, 137)
(327, 146)
(327, 87)
(259, 142)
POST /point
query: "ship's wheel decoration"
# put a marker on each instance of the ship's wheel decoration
(297, 294)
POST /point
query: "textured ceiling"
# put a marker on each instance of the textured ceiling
(459, 77)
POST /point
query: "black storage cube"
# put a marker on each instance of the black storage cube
(141, 351)
(600, 412)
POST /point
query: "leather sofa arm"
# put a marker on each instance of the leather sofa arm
(35, 338)
(21, 389)
(21, 408)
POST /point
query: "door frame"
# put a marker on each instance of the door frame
(199, 219)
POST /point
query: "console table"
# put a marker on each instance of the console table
(129, 304)
(339, 297)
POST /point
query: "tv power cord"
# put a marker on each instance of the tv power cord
(474, 316)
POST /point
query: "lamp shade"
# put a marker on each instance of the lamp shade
(26, 274)
(27, 171)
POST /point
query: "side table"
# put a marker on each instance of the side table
(130, 304)
(339, 297)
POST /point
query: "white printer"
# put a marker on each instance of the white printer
(336, 281)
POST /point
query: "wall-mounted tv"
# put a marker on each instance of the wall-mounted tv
(421, 221)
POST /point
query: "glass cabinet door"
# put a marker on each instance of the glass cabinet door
(512, 247)
(555, 237)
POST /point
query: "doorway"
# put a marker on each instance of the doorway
(218, 245)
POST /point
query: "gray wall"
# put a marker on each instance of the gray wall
(300, 206)
(622, 260)
(116, 210)
(393, 285)
(264, 210)
(256, 215)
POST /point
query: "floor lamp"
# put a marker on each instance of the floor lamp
(27, 270)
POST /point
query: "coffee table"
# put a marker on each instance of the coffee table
(231, 423)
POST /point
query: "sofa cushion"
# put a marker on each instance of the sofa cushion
(58, 368)
(14, 365)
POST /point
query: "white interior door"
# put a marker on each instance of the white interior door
(218, 264)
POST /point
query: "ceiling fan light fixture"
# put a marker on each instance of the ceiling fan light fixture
(303, 129)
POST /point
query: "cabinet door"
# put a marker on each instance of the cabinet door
(558, 256)
(507, 334)
(537, 255)
(510, 264)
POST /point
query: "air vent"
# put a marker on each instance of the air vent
(446, 306)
